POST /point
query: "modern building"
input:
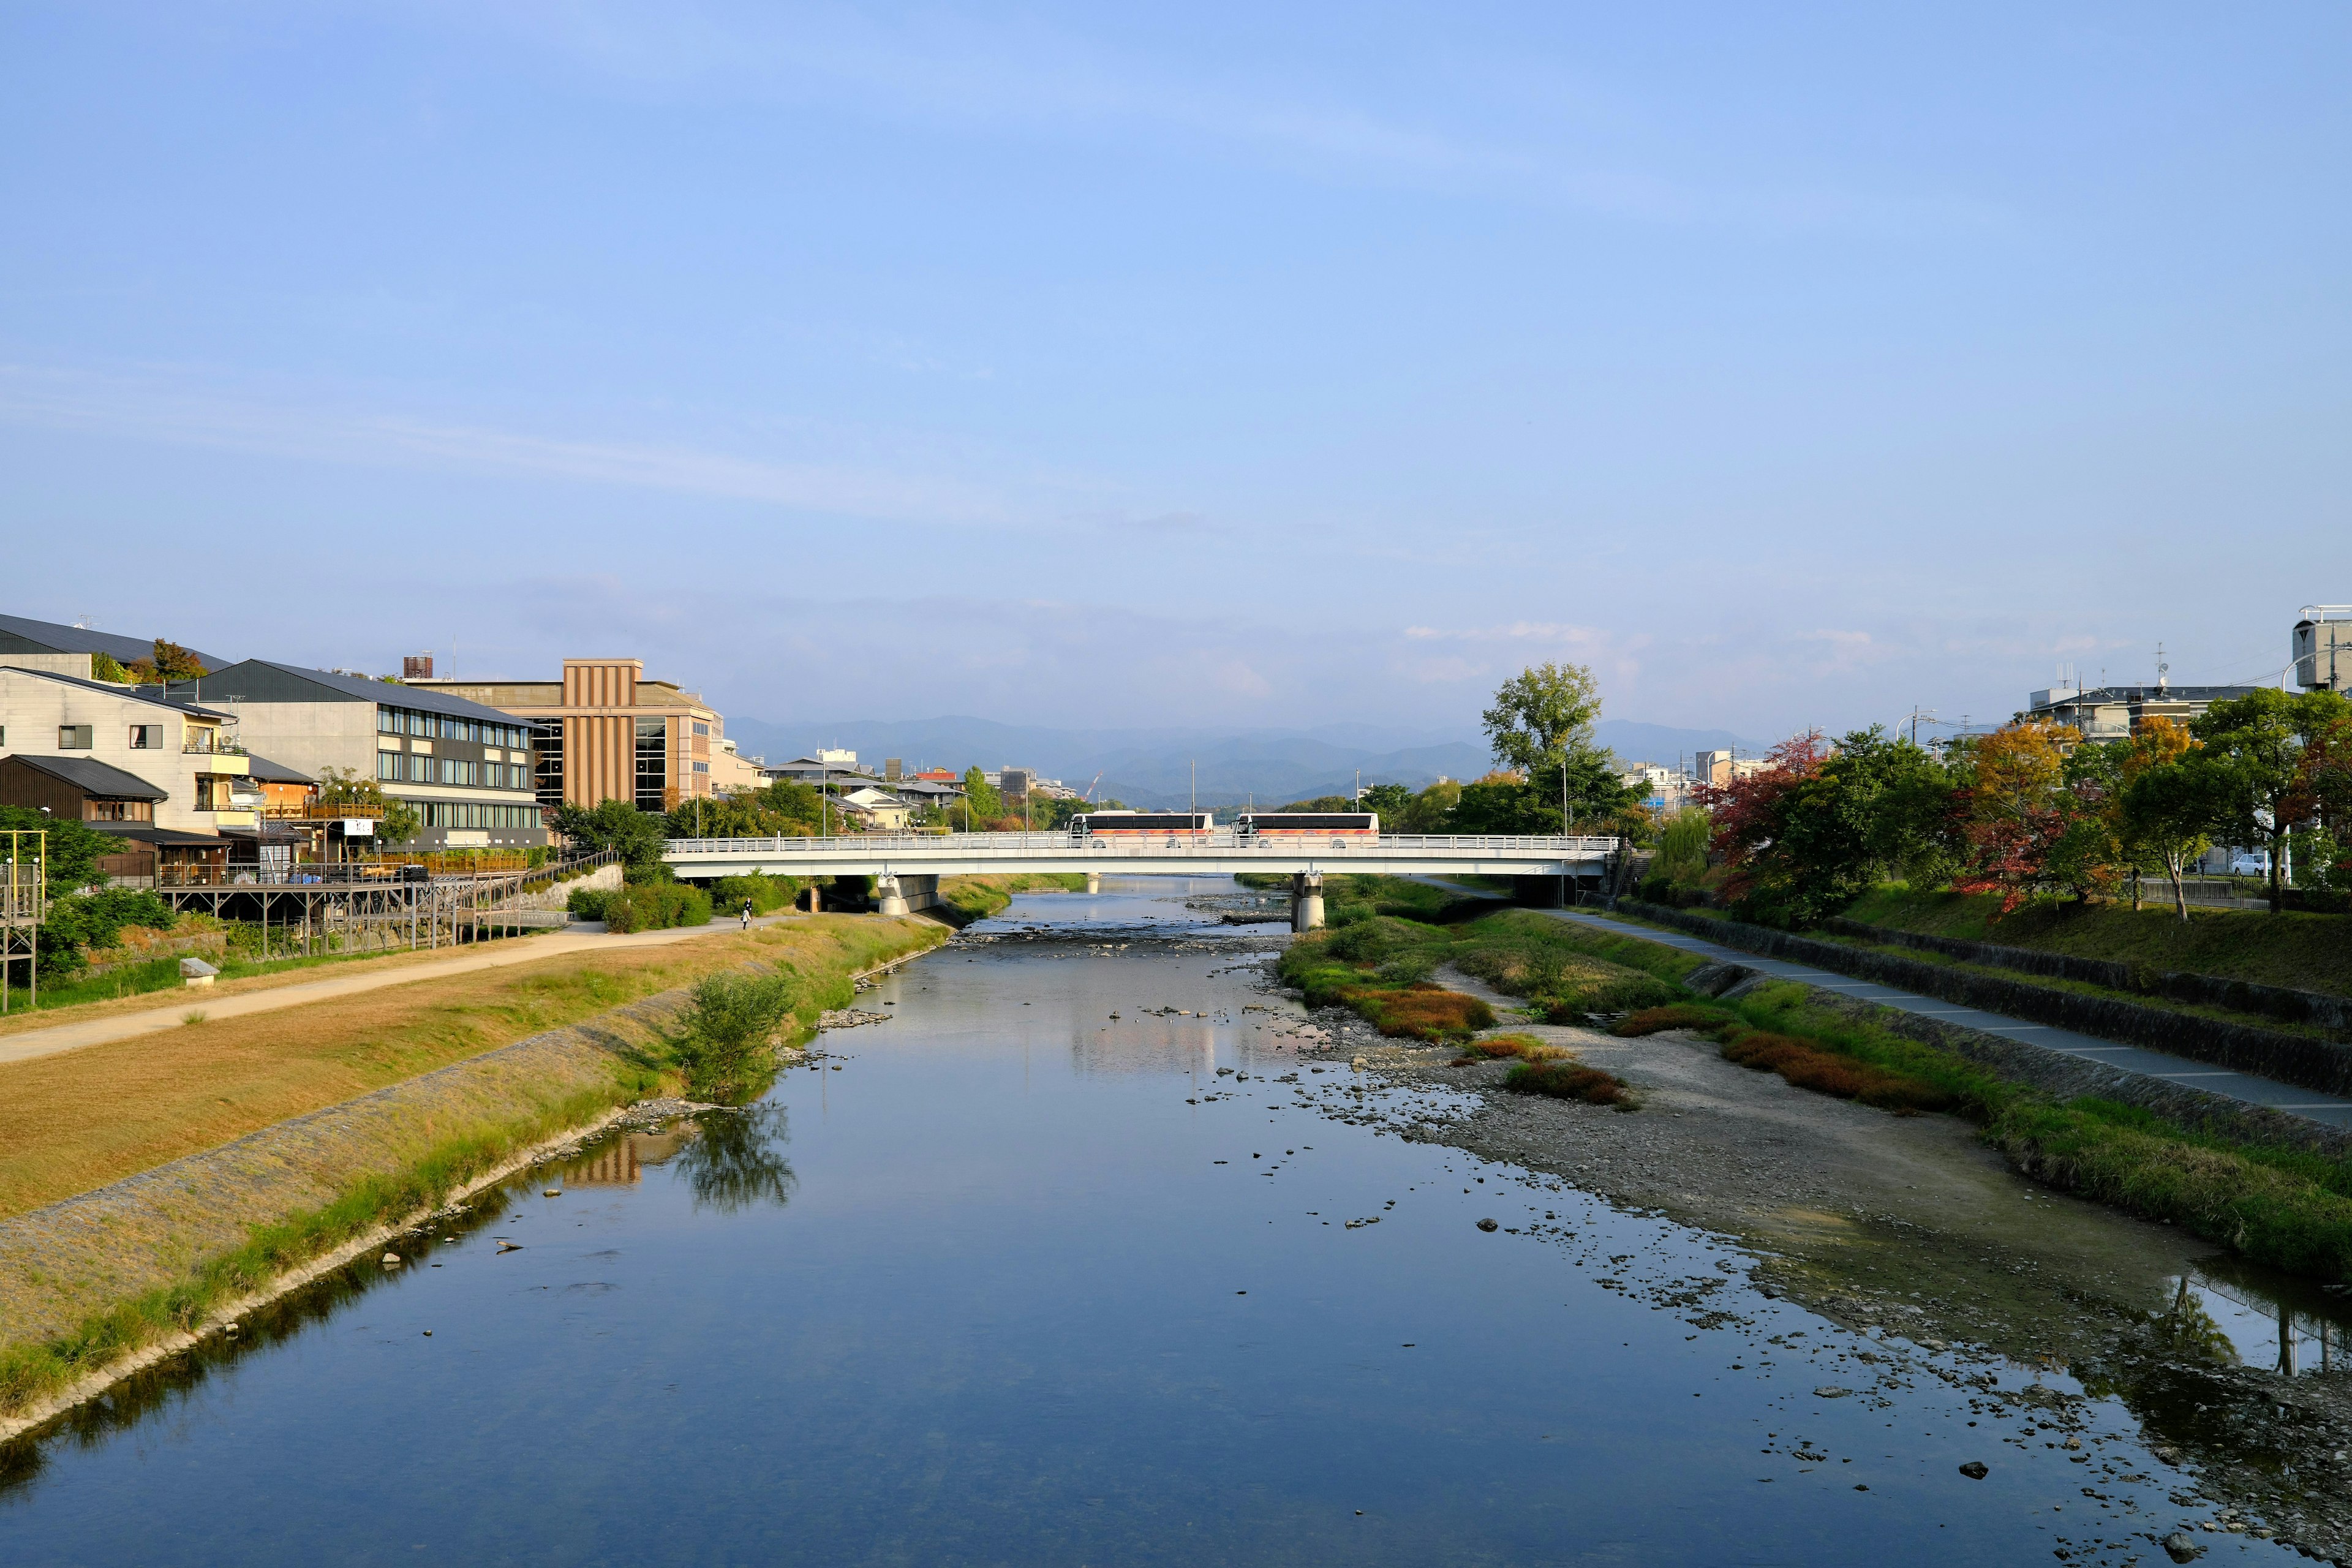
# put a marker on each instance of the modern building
(824, 767)
(1720, 768)
(465, 767)
(605, 733)
(2323, 648)
(732, 772)
(2115, 712)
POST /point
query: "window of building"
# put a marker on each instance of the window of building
(388, 764)
(547, 761)
(144, 737)
(702, 767)
(653, 763)
(78, 738)
(700, 728)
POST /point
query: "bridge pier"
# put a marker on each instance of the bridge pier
(1307, 901)
(1094, 881)
(889, 899)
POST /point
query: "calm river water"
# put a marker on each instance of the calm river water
(1020, 1283)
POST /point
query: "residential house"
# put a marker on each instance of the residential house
(874, 810)
(605, 733)
(183, 762)
(464, 767)
(732, 772)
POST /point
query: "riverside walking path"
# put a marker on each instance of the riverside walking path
(2183, 1070)
(23, 1044)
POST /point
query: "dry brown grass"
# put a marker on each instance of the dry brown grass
(78, 1120)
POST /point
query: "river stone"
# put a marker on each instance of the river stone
(1975, 1469)
(1827, 1392)
(1487, 1224)
(2181, 1548)
(391, 1260)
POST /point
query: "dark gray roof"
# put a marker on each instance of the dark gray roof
(18, 635)
(181, 700)
(91, 776)
(2159, 694)
(266, 681)
(268, 771)
(147, 833)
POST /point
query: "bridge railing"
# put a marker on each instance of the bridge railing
(1222, 841)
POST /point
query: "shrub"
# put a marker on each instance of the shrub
(1525, 1046)
(586, 903)
(761, 891)
(656, 906)
(1807, 1066)
(1615, 993)
(1422, 1011)
(1678, 1016)
(1565, 1079)
(730, 1032)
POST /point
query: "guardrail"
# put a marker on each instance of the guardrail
(1219, 841)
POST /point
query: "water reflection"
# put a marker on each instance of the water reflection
(2256, 1318)
(735, 1160)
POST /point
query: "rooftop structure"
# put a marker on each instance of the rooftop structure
(605, 733)
(2323, 648)
(68, 651)
(2113, 712)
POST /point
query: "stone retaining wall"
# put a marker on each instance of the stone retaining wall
(2332, 1013)
(2323, 1064)
(2055, 1073)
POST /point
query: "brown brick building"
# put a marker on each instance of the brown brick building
(605, 733)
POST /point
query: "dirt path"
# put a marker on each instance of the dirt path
(267, 995)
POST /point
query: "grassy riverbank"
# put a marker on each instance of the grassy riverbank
(977, 898)
(466, 1074)
(2284, 1206)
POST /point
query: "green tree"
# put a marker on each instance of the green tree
(169, 661)
(1542, 715)
(1681, 857)
(2167, 811)
(103, 667)
(730, 1034)
(1821, 826)
(73, 849)
(1389, 800)
(618, 825)
(982, 804)
(345, 786)
(1431, 811)
(2258, 744)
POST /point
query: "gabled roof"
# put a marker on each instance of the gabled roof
(166, 837)
(180, 702)
(268, 771)
(18, 635)
(91, 776)
(267, 680)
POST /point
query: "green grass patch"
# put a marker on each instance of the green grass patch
(980, 897)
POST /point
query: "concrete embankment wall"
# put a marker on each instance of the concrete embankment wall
(2323, 1064)
(2333, 1013)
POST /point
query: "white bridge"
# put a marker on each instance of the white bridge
(909, 865)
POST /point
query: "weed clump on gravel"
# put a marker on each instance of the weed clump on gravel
(1807, 1066)
(1566, 1079)
(1675, 1015)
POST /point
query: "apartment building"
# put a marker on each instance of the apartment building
(605, 733)
(465, 767)
(2115, 712)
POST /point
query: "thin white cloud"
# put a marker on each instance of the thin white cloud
(1020, 73)
(161, 409)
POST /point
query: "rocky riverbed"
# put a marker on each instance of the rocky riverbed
(1909, 1231)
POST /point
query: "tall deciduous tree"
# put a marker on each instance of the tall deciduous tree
(1543, 715)
(983, 804)
(2167, 808)
(2259, 742)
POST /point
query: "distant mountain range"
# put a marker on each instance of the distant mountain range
(1171, 767)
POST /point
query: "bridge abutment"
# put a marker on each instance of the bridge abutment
(1307, 901)
(1094, 881)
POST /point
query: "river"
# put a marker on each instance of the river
(1077, 1261)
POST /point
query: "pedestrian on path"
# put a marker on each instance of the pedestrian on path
(746, 914)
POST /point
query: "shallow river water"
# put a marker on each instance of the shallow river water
(1009, 1280)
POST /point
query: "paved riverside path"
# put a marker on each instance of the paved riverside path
(2183, 1070)
(26, 1045)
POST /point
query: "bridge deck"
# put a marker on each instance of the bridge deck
(1221, 853)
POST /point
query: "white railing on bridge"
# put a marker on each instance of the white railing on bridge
(1220, 842)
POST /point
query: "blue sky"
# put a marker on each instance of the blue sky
(1204, 365)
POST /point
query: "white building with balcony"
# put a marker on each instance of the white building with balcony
(189, 753)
